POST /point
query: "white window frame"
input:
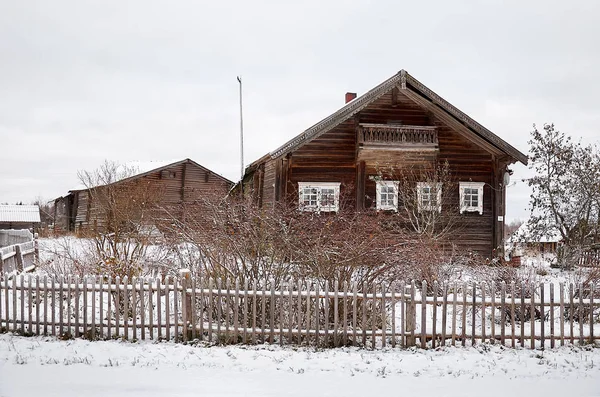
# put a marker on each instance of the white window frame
(469, 208)
(319, 186)
(432, 185)
(387, 207)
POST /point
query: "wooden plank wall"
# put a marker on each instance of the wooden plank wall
(181, 183)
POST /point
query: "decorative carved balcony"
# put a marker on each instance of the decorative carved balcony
(397, 137)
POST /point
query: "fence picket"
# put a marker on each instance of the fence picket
(224, 304)
(473, 313)
(561, 313)
(211, 306)
(83, 309)
(444, 313)
(591, 313)
(263, 310)
(522, 314)
(411, 316)
(354, 313)
(393, 314)
(37, 304)
(117, 309)
(542, 317)
(299, 311)
(326, 314)
(6, 305)
(45, 305)
(571, 310)
(142, 309)
(532, 317)
(272, 314)
(29, 305)
(434, 320)
(69, 301)
(53, 306)
(483, 311)
(236, 308)
(245, 333)
(580, 315)
(150, 309)
(464, 316)
(512, 314)
(364, 315)
(493, 317)
(281, 313)
(335, 312)
(108, 306)
(317, 312)
(60, 302)
(133, 306)
(552, 336)
(424, 314)
(254, 312)
(503, 313)
(158, 308)
(290, 306)
(308, 312)
(100, 307)
(22, 302)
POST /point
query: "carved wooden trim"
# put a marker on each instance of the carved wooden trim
(397, 135)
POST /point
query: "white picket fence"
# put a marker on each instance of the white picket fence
(299, 313)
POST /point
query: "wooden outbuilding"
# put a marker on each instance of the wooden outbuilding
(167, 186)
(399, 125)
(19, 216)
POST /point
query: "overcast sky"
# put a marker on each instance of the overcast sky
(82, 81)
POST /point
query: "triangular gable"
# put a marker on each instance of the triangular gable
(422, 96)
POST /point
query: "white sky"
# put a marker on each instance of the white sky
(83, 81)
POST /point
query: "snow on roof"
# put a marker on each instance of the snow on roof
(133, 168)
(524, 234)
(19, 213)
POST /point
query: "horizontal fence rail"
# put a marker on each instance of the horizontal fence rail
(300, 313)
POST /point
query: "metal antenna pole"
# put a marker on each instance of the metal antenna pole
(239, 79)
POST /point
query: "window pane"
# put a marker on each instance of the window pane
(309, 196)
(327, 197)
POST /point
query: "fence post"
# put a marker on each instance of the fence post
(411, 317)
(19, 257)
(186, 301)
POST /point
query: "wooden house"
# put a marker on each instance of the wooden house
(400, 124)
(168, 186)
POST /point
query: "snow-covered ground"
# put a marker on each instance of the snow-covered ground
(48, 367)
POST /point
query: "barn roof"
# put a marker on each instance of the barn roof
(136, 169)
(417, 92)
(19, 213)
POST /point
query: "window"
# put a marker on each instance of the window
(429, 196)
(319, 196)
(387, 195)
(471, 197)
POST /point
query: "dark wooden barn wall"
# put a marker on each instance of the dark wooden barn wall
(181, 183)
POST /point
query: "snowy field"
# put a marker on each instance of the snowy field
(48, 367)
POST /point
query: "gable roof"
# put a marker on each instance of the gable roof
(19, 213)
(414, 90)
(143, 168)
